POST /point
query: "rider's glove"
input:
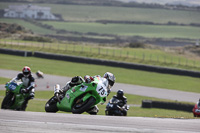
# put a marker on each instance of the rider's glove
(6, 84)
(108, 92)
(24, 90)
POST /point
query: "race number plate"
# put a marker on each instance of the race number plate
(12, 86)
(101, 89)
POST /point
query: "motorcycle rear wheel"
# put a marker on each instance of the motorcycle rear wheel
(79, 108)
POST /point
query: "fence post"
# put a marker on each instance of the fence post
(90, 49)
(99, 50)
(66, 47)
(143, 57)
(164, 59)
(150, 56)
(171, 60)
(74, 48)
(25, 54)
(157, 58)
(186, 62)
(58, 46)
(82, 49)
(50, 46)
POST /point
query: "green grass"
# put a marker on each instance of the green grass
(129, 76)
(41, 97)
(149, 31)
(28, 26)
(134, 55)
(88, 13)
(3, 80)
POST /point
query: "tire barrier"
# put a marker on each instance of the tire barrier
(167, 105)
(16, 52)
(118, 64)
(146, 104)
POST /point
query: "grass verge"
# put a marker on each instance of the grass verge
(129, 76)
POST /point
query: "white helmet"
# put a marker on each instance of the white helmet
(110, 77)
(26, 71)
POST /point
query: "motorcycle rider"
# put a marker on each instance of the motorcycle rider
(123, 100)
(108, 80)
(29, 83)
(198, 103)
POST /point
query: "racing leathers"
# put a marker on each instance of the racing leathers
(122, 103)
(29, 83)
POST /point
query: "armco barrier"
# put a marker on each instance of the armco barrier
(118, 64)
(16, 52)
(167, 105)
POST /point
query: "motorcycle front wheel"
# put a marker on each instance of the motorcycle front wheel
(51, 105)
(80, 107)
(7, 101)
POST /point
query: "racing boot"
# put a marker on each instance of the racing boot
(93, 111)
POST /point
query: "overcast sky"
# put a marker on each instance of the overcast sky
(183, 2)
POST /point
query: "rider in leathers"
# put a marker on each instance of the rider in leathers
(108, 79)
(29, 83)
(123, 101)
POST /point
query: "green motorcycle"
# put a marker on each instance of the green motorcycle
(79, 99)
(14, 99)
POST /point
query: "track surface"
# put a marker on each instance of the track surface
(50, 80)
(37, 122)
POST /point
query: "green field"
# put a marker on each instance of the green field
(149, 31)
(129, 76)
(92, 13)
(28, 26)
(81, 15)
(157, 57)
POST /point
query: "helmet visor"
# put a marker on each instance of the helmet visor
(111, 83)
(26, 73)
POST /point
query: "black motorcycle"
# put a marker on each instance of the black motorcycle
(115, 107)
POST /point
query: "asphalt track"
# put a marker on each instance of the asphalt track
(40, 122)
(50, 80)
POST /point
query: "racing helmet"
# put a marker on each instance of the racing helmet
(110, 77)
(120, 93)
(26, 71)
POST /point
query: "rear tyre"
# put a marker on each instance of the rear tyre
(81, 107)
(7, 101)
(51, 105)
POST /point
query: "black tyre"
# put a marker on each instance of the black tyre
(7, 101)
(81, 107)
(51, 105)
